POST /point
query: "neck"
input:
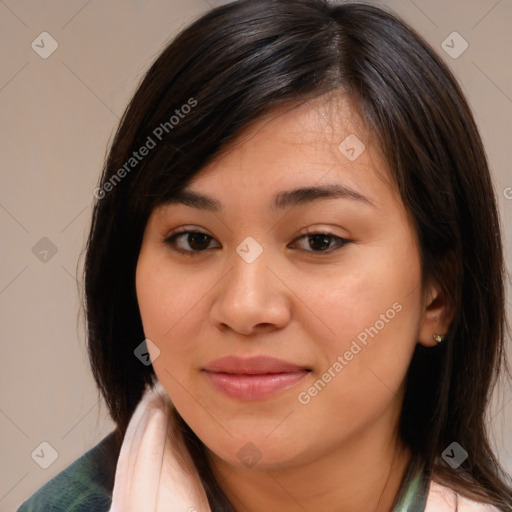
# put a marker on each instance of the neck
(364, 473)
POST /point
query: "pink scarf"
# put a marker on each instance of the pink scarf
(156, 475)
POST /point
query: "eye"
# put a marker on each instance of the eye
(321, 242)
(192, 241)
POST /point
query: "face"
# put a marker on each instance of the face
(283, 294)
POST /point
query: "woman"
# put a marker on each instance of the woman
(294, 276)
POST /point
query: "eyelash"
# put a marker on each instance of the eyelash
(171, 239)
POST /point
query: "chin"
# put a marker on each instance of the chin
(258, 452)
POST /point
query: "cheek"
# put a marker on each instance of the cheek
(375, 297)
(371, 321)
(172, 313)
(172, 307)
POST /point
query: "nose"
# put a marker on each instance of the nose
(251, 298)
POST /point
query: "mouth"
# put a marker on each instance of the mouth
(255, 378)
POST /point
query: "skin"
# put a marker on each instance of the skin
(299, 302)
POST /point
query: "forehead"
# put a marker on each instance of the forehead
(318, 124)
(312, 142)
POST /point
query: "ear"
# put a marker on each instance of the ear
(438, 314)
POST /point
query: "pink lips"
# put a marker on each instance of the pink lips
(253, 378)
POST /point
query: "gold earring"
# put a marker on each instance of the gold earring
(438, 337)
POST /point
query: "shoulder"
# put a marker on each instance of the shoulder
(85, 485)
(443, 499)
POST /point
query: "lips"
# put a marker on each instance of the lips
(252, 365)
(254, 378)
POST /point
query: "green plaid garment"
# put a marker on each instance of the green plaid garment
(84, 486)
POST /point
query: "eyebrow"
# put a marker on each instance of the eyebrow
(306, 195)
(282, 200)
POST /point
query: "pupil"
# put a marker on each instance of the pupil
(197, 240)
(319, 242)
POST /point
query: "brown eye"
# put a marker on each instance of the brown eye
(198, 241)
(190, 241)
(321, 242)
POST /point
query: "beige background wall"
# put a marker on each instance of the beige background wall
(57, 115)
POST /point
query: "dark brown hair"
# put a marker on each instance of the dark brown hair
(232, 66)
